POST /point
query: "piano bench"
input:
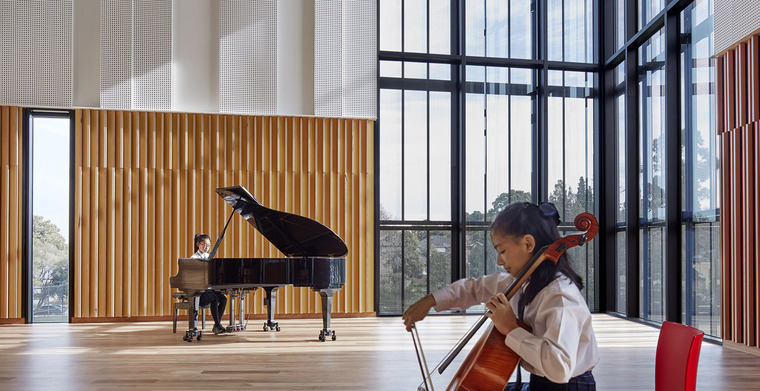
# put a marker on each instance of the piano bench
(184, 304)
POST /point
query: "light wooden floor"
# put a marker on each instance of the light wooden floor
(369, 354)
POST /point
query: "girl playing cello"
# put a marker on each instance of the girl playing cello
(561, 350)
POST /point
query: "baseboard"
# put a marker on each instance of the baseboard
(12, 320)
(741, 347)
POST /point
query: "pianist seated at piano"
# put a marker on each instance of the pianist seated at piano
(217, 300)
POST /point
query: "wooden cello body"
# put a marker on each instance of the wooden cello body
(490, 363)
(488, 366)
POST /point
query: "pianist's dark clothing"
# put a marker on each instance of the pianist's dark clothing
(216, 300)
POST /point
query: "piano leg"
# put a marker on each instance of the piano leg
(192, 321)
(327, 297)
(270, 301)
(236, 309)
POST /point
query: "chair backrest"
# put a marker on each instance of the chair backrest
(677, 357)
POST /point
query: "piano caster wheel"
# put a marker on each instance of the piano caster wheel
(323, 336)
(190, 334)
(274, 326)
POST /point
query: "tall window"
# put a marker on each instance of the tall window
(50, 135)
(570, 159)
(652, 181)
(498, 136)
(663, 99)
(620, 285)
(463, 110)
(699, 171)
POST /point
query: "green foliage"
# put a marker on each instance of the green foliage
(51, 260)
(405, 254)
(505, 199)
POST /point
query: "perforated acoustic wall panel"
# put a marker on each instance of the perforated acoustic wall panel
(152, 60)
(116, 54)
(136, 50)
(328, 59)
(248, 56)
(35, 53)
(11, 169)
(734, 21)
(345, 58)
(144, 185)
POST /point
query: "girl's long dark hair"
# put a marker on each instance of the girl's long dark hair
(522, 218)
(199, 238)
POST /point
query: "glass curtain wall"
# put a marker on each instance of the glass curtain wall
(620, 210)
(415, 152)
(652, 181)
(699, 171)
(498, 139)
(672, 169)
(466, 88)
(570, 159)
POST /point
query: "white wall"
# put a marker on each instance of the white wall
(295, 57)
(195, 56)
(86, 88)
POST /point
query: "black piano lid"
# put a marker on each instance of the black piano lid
(293, 235)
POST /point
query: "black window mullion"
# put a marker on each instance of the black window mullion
(562, 28)
(540, 188)
(427, 262)
(606, 167)
(459, 265)
(688, 223)
(403, 154)
(427, 124)
(672, 170)
(509, 28)
(631, 180)
(564, 142)
(509, 137)
(403, 270)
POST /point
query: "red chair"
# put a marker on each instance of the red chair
(677, 357)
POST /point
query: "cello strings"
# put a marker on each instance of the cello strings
(473, 328)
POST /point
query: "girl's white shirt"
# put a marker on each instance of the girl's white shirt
(562, 344)
(199, 255)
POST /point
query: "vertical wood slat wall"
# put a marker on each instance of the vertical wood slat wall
(738, 107)
(145, 185)
(11, 153)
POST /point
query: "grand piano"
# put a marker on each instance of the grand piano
(315, 258)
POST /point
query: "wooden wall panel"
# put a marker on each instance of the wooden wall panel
(739, 131)
(753, 78)
(145, 185)
(11, 170)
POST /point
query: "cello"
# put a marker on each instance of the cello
(491, 362)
